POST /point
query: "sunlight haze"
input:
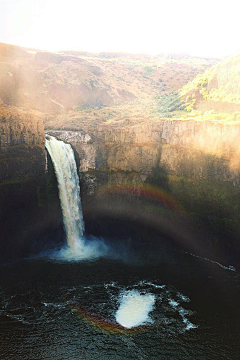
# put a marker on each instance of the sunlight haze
(206, 28)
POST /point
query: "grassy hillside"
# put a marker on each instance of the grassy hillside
(220, 83)
(213, 95)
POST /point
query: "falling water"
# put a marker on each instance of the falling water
(79, 248)
(69, 190)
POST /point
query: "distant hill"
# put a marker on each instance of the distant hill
(12, 53)
(137, 56)
(55, 83)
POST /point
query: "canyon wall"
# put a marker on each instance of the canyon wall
(196, 163)
(30, 212)
(22, 139)
(195, 149)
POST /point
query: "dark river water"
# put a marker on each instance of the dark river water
(62, 310)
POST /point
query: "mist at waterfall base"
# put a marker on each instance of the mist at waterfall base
(95, 299)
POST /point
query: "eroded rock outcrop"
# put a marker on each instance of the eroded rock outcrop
(22, 141)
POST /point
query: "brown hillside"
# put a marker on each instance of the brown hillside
(56, 83)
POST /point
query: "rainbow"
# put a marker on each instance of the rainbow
(105, 325)
(144, 190)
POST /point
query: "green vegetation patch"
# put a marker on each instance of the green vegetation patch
(166, 105)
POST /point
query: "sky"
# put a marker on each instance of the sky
(201, 28)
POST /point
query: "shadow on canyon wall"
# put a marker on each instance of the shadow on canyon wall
(31, 216)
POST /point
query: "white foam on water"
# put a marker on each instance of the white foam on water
(182, 312)
(154, 285)
(188, 324)
(230, 267)
(173, 303)
(58, 306)
(183, 297)
(134, 309)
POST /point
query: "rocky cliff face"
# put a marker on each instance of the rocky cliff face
(185, 148)
(22, 141)
(30, 212)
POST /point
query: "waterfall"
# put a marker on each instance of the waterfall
(69, 190)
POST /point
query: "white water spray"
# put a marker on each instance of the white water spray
(134, 309)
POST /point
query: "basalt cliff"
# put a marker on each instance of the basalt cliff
(22, 141)
(30, 209)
